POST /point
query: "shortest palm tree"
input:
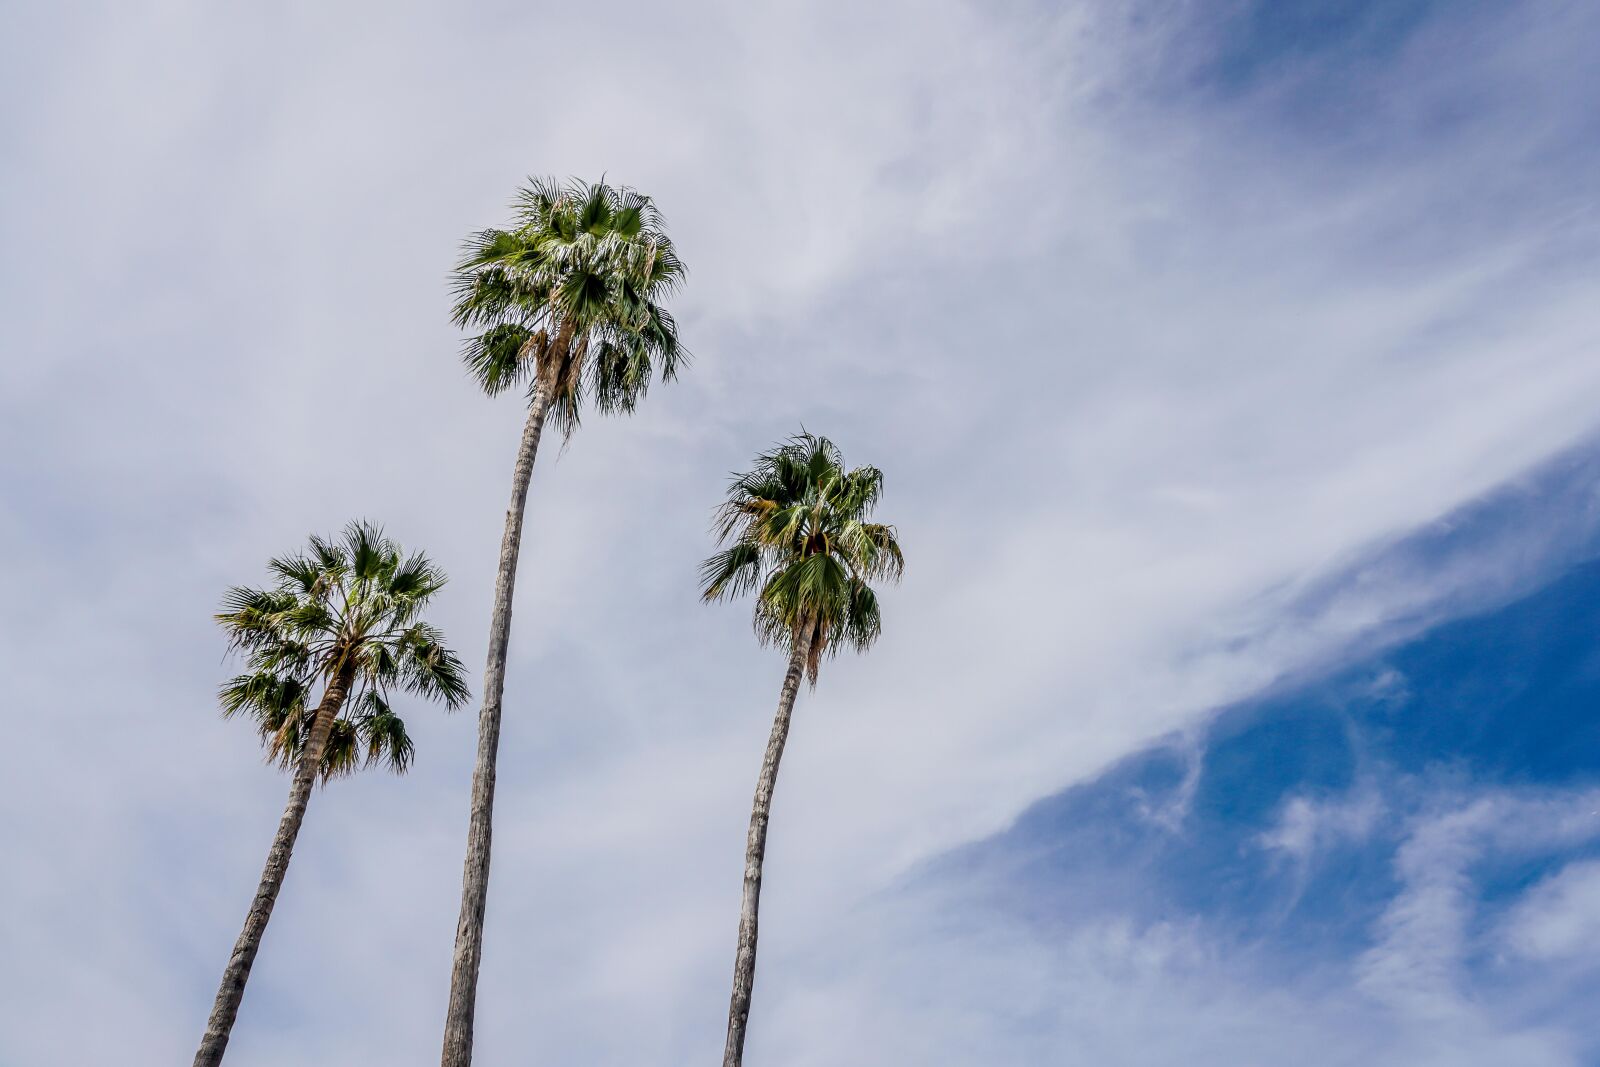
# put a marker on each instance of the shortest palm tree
(345, 617)
(798, 537)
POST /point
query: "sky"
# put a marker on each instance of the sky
(1232, 368)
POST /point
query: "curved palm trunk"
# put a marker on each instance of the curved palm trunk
(475, 877)
(755, 850)
(234, 976)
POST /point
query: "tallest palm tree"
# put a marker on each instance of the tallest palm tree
(566, 302)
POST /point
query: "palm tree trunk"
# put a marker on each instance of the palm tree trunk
(234, 976)
(755, 851)
(475, 877)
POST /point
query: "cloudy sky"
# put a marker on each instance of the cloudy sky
(1233, 366)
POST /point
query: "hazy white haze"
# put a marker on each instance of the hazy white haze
(1146, 354)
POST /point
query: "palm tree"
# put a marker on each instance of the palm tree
(344, 616)
(567, 302)
(798, 537)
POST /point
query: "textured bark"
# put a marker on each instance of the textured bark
(475, 877)
(234, 976)
(755, 850)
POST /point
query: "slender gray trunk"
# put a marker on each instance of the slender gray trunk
(755, 850)
(475, 877)
(234, 976)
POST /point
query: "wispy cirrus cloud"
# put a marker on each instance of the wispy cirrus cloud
(1144, 357)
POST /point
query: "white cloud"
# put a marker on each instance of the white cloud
(1137, 370)
(990, 989)
(1306, 824)
(1560, 917)
(1418, 965)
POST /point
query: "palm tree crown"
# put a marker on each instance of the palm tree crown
(571, 295)
(349, 606)
(798, 536)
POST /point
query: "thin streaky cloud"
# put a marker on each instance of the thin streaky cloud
(1145, 358)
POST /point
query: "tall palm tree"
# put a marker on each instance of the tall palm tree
(798, 537)
(567, 301)
(346, 617)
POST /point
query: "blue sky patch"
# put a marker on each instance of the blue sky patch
(1284, 826)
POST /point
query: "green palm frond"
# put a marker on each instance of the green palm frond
(571, 294)
(263, 694)
(504, 355)
(382, 734)
(341, 755)
(349, 603)
(425, 667)
(798, 534)
(731, 573)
